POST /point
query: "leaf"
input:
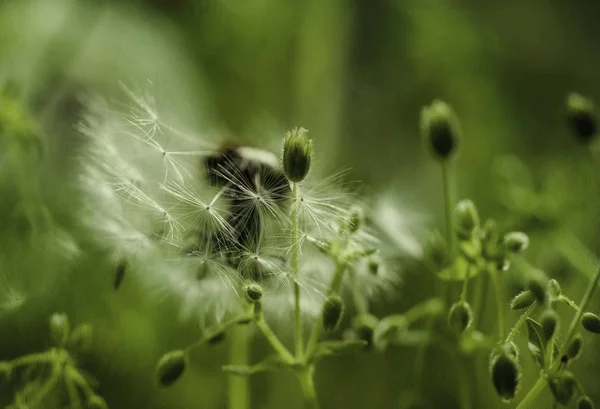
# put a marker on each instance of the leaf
(334, 348)
(271, 363)
(535, 343)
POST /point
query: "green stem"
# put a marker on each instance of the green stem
(513, 332)
(216, 330)
(359, 301)
(274, 341)
(568, 301)
(334, 288)
(499, 295)
(296, 270)
(308, 388)
(533, 393)
(239, 351)
(448, 187)
(479, 299)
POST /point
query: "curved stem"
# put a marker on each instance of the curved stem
(533, 393)
(274, 341)
(513, 332)
(238, 389)
(308, 388)
(296, 270)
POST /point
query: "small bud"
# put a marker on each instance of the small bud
(563, 387)
(356, 219)
(254, 292)
(96, 402)
(581, 117)
(374, 266)
(574, 347)
(297, 154)
(522, 300)
(585, 403)
(364, 325)
(332, 312)
(591, 322)
(81, 338)
(460, 317)
(538, 290)
(170, 368)
(59, 328)
(554, 288)
(467, 218)
(439, 128)
(549, 322)
(506, 372)
(516, 241)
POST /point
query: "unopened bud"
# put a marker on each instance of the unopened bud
(467, 218)
(563, 387)
(581, 117)
(554, 288)
(585, 403)
(549, 322)
(81, 338)
(591, 322)
(356, 219)
(538, 290)
(460, 317)
(516, 241)
(439, 128)
(96, 402)
(506, 372)
(297, 154)
(364, 325)
(59, 328)
(374, 266)
(254, 292)
(522, 300)
(574, 347)
(170, 368)
(333, 310)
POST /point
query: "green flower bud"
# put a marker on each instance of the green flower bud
(460, 317)
(563, 387)
(516, 241)
(538, 289)
(522, 300)
(81, 338)
(554, 288)
(333, 309)
(364, 325)
(439, 128)
(574, 348)
(591, 322)
(506, 373)
(254, 292)
(581, 117)
(297, 154)
(467, 218)
(170, 368)
(549, 323)
(356, 219)
(96, 402)
(59, 328)
(585, 403)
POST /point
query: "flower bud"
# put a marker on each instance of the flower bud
(585, 403)
(439, 128)
(563, 387)
(333, 309)
(581, 117)
(356, 219)
(554, 288)
(522, 300)
(374, 266)
(574, 347)
(506, 372)
(81, 338)
(96, 402)
(59, 328)
(297, 154)
(254, 292)
(364, 325)
(460, 317)
(516, 241)
(549, 322)
(170, 368)
(538, 290)
(591, 322)
(467, 218)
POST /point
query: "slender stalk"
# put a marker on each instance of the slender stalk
(499, 295)
(479, 299)
(448, 186)
(298, 338)
(513, 332)
(213, 331)
(274, 341)
(359, 302)
(308, 388)
(541, 383)
(334, 287)
(239, 351)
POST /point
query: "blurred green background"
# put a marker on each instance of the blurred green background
(356, 74)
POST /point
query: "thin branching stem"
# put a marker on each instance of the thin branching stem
(522, 319)
(298, 338)
(448, 186)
